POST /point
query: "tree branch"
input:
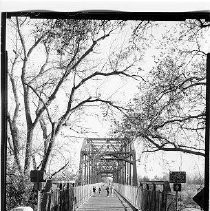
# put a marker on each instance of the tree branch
(173, 149)
(42, 67)
(180, 120)
(67, 72)
(35, 44)
(41, 101)
(203, 24)
(59, 170)
(21, 37)
(104, 74)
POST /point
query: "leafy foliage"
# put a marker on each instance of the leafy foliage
(168, 113)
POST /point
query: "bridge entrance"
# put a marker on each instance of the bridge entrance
(113, 158)
(107, 157)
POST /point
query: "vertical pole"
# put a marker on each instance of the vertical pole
(130, 174)
(36, 185)
(44, 195)
(154, 196)
(68, 196)
(117, 173)
(91, 172)
(130, 165)
(121, 173)
(207, 134)
(125, 167)
(164, 200)
(176, 200)
(39, 201)
(85, 176)
(82, 167)
(88, 170)
(61, 197)
(3, 111)
(135, 182)
(124, 175)
(39, 208)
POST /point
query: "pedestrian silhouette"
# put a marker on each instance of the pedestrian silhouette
(107, 190)
(94, 190)
(111, 190)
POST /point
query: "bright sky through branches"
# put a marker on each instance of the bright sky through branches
(92, 122)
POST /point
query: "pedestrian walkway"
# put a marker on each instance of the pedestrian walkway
(102, 202)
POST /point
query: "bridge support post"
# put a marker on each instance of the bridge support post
(135, 182)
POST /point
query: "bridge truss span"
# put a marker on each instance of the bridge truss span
(107, 157)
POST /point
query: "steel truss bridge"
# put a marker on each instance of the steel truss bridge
(107, 157)
(101, 158)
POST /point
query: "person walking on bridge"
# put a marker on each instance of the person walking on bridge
(111, 190)
(107, 190)
(94, 190)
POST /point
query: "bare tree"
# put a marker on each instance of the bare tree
(69, 65)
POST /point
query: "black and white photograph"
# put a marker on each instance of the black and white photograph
(105, 111)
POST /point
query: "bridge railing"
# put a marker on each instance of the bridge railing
(67, 197)
(61, 198)
(131, 193)
(146, 199)
(83, 193)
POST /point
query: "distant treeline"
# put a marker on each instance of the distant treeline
(195, 179)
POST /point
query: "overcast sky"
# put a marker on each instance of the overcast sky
(123, 90)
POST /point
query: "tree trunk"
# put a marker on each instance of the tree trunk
(44, 133)
(49, 149)
(13, 122)
(28, 150)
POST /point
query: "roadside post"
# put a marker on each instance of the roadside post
(177, 188)
(177, 177)
(37, 178)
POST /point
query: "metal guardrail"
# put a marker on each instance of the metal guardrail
(130, 193)
(83, 193)
(146, 199)
(60, 199)
(67, 197)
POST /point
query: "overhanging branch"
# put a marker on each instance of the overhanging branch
(176, 148)
(56, 172)
(201, 115)
(41, 101)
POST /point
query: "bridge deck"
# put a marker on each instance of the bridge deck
(102, 202)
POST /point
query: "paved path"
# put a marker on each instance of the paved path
(103, 202)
